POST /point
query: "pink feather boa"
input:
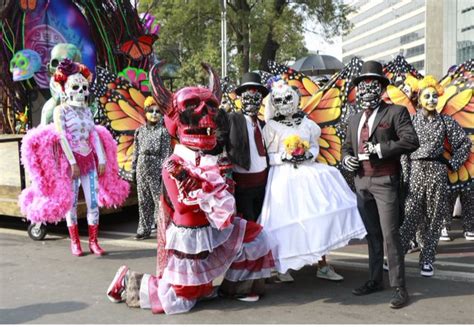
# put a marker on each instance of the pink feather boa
(50, 196)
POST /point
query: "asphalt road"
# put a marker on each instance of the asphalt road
(41, 283)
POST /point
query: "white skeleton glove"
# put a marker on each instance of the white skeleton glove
(350, 163)
(370, 148)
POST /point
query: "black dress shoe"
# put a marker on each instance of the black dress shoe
(369, 287)
(140, 237)
(399, 298)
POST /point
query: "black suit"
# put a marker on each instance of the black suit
(377, 197)
(249, 200)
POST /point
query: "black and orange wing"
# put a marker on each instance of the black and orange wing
(305, 85)
(138, 48)
(457, 101)
(394, 95)
(123, 107)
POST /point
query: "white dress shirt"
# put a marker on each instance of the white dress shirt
(257, 163)
(371, 124)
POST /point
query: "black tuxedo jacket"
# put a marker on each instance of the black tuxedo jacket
(392, 129)
(238, 148)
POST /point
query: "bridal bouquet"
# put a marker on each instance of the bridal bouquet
(295, 149)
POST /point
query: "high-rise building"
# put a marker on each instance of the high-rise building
(431, 34)
(458, 32)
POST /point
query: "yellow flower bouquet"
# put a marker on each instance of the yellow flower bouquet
(295, 146)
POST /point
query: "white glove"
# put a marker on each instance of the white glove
(350, 163)
(370, 148)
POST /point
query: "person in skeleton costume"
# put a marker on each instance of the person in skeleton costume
(309, 209)
(152, 147)
(427, 200)
(246, 150)
(376, 136)
(73, 121)
(204, 237)
(60, 157)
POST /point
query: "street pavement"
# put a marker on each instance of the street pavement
(42, 283)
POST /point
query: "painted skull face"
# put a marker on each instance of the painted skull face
(284, 99)
(251, 101)
(153, 114)
(76, 90)
(369, 92)
(25, 64)
(429, 98)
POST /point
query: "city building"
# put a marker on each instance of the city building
(431, 34)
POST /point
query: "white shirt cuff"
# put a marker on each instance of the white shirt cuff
(379, 151)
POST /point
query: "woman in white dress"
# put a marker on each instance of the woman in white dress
(308, 209)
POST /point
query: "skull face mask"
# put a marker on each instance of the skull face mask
(251, 101)
(284, 99)
(190, 112)
(76, 90)
(369, 93)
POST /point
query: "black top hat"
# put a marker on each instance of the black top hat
(251, 80)
(372, 69)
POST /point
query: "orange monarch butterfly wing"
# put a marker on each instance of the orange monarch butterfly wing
(330, 146)
(396, 96)
(458, 102)
(122, 105)
(140, 47)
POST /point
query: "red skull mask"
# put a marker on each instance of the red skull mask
(190, 112)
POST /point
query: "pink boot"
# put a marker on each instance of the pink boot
(93, 245)
(75, 241)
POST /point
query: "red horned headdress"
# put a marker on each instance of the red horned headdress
(189, 112)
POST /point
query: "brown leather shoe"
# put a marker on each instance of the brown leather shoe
(369, 287)
(399, 298)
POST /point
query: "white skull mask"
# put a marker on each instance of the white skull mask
(284, 99)
(76, 90)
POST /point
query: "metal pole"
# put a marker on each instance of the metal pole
(223, 38)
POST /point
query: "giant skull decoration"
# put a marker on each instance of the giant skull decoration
(190, 112)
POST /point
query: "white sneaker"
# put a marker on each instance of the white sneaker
(469, 236)
(327, 272)
(250, 298)
(445, 235)
(427, 270)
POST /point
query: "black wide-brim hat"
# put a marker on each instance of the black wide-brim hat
(374, 70)
(251, 80)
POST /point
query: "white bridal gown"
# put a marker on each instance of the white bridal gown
(309, 210)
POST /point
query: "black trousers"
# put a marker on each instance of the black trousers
(249, 202)
(378, 204)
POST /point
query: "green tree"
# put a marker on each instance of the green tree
(258, 31)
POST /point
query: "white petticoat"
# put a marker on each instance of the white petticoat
(308, 211)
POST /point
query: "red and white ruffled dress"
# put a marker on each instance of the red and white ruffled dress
(204, 240)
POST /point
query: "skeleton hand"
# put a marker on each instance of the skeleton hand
(370, 148)
(350, 163)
